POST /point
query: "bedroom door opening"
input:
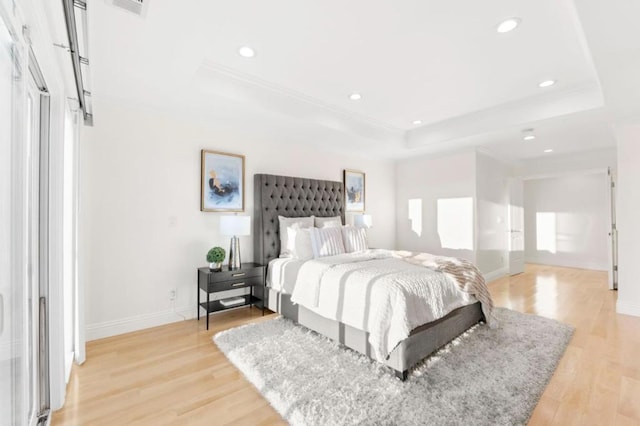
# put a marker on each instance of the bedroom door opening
(569, 220)
(516, 226)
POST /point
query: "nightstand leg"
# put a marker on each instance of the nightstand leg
(207, 310)
(198, 305)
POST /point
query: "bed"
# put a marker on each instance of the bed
(300, 197)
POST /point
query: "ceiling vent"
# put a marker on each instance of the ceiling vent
(138, 7)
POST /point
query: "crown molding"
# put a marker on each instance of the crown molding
(509, 115)
(488, 152)
(227, 82)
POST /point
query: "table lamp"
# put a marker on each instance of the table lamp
(362, 221)
(235, 226)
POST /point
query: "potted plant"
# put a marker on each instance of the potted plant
(215, 257)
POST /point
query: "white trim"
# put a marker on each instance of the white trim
(257, 83)
(461, 130)
(216, 79)
(626, 308)
(68, 366)
(78, 285)
(494, 275)
(138, 322)
(56, 249)
(594, 266)
(581, 172)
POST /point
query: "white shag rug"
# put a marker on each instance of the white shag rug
(484, 377)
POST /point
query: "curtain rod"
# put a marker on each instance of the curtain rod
(76, 59)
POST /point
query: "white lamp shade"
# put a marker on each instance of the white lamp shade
(363, 221)
(235, 225)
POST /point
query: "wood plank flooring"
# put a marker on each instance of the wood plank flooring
(174, 374)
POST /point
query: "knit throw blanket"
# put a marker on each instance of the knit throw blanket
(464, 273)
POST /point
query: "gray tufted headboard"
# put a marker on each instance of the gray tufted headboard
(291, 197)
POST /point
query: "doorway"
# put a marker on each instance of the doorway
(568, 220)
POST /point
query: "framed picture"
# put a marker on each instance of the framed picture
(222, 182)
(354, 190)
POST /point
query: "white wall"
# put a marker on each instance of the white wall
(628, 203)
(141, 228)
(464, 198)
(492, 199)
(567, 221)
(431, 180)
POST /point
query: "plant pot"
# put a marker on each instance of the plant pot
(215, 266)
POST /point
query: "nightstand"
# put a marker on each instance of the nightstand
(249, 275)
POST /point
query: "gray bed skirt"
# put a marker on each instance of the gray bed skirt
(422, 342)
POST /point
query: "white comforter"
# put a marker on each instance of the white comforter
(377, 293)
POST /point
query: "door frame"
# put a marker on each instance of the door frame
(511, 230)
(609, 177)
(33, 26)
(612, 281)
(36, 87)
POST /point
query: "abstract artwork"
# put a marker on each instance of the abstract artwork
(222, 182)
(354, 190)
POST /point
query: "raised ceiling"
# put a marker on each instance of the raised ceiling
(440, 62)
(428, 60)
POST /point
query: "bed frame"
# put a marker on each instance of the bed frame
(297, 197)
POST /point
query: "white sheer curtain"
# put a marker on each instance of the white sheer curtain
(16, 400)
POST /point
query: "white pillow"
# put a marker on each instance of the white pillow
(326, 222)
(291, 222)
(355, 239)
(326, 241)
(302, 248)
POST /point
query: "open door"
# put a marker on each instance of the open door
(516, 226)
(613, 232)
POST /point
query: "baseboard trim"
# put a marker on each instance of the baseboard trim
(494, 275)
(567, 263)
(138, 322)
(626, 308)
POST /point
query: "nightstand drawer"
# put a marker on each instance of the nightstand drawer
(240, 274)
(238, 282)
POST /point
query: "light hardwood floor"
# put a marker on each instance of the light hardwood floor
(175, 375)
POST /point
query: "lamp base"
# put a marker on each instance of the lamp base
(234, 254)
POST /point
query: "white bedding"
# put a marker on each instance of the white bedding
(282, 274)
(377, 293)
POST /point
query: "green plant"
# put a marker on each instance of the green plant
(216, 255)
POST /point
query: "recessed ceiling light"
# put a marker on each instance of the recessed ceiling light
(547, 83)
(508, 25)
(528, 135)
(416, 122)
(548, 150)
(246, 52)
(355, 96)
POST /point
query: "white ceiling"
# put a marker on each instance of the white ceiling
(441, 62)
